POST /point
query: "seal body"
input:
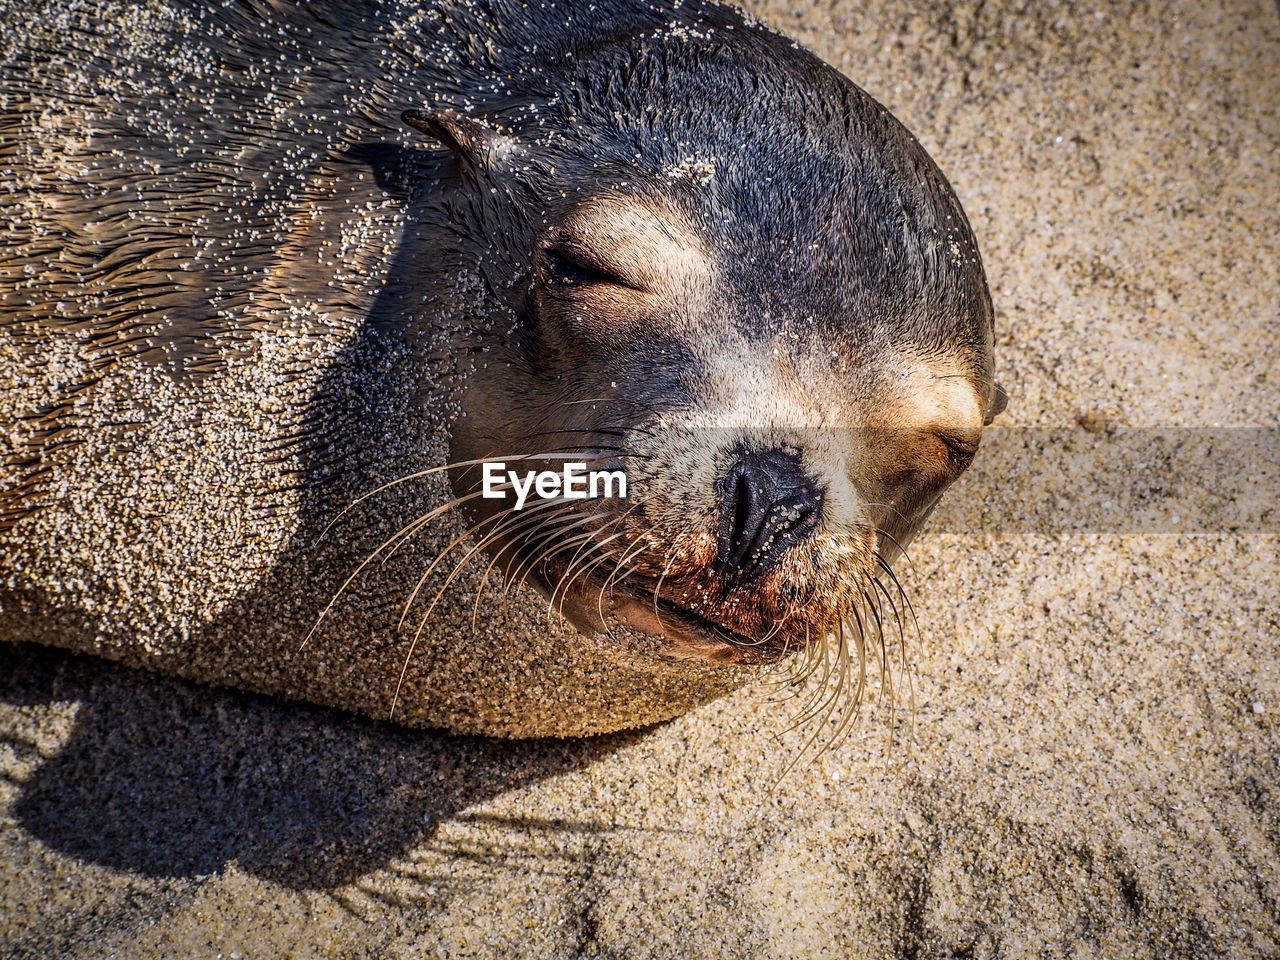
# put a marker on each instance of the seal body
(281, 279)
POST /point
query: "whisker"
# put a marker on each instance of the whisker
(406, 532)
(404, 669)
(525, 567)
(447, 550)
(901, 592)
(657, 589)
(586, 542)
(901, 549)
(430, 515)
(613, 578)
(513, 545)
(826, 706)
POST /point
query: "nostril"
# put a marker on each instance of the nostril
(771, 504)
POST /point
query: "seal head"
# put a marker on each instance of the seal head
(262, 338)
(768, 310)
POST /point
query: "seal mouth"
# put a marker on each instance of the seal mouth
(596, 603)
(694, 636)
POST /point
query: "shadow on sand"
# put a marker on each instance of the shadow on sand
(168, 778)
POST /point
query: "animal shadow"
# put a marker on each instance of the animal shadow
(168, 778)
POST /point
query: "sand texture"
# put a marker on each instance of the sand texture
(1092, 768)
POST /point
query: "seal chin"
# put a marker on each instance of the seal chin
(690, 636)
(594, 606)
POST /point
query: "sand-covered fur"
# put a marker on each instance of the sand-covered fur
(1094, 771)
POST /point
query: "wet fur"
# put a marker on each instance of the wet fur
(250, 174)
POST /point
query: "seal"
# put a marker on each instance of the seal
(289, 283)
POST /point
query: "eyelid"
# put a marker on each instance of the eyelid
(581, 258)
(960, 449)
(960, 444)
(579, 255)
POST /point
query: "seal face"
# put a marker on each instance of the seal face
(260, 340)
(770, 312)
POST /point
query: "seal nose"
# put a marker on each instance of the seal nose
(770, 505)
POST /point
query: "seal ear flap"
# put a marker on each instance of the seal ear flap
(474, 143)
(996, 403)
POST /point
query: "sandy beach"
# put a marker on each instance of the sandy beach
(1090, 762)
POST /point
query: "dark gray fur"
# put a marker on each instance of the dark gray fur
(207, 138)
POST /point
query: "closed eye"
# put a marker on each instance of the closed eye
(959, 449)
(569, 267)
